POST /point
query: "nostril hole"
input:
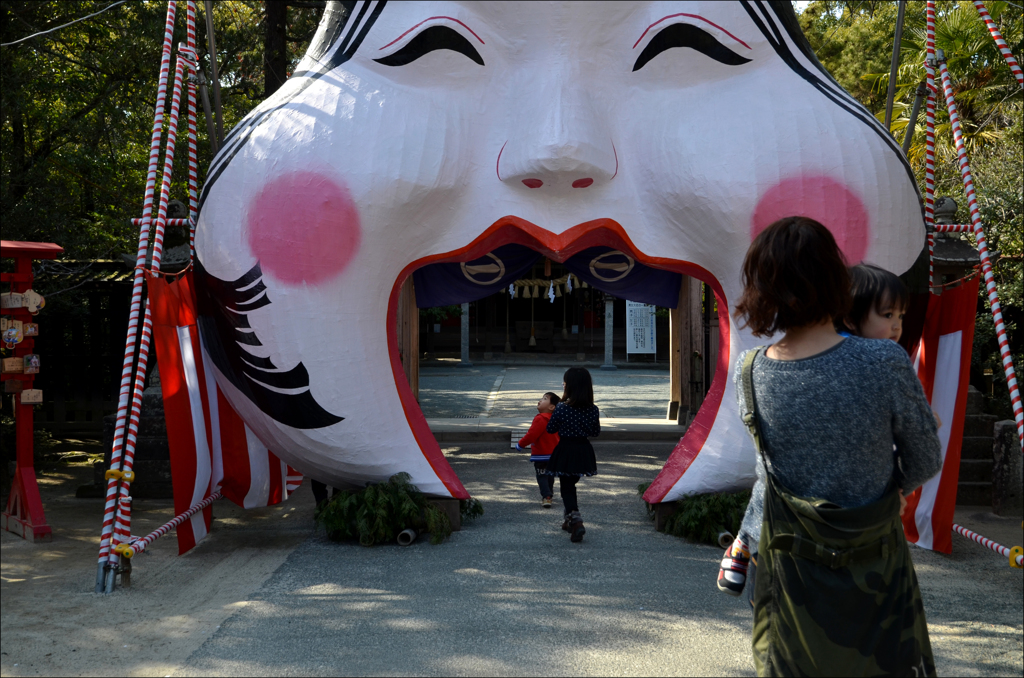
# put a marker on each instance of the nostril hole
(533, 183)
(582, 183)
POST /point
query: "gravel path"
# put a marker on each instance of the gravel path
(509, 595)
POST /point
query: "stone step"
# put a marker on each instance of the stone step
(976, 447)
(974, 494)
(979, 425)
(976, 470)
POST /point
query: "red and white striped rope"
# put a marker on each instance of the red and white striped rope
(193, 160)
(140, 545)
(136, 302)
(1000, 43)
(929, 141)
(986, 264)
(988, 543)
(170, 222)
(952, 228)
(158, 242)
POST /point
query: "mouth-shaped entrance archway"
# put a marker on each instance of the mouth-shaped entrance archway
(598, 252)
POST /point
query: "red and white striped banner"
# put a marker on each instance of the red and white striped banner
(943, 363)
(212, 450)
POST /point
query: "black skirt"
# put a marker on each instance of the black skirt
(572, 457)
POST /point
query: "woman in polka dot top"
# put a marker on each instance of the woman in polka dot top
(575, 419)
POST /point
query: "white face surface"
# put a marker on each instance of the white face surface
(344, 183)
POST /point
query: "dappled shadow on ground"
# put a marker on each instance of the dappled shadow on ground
(508, 595)
(54, 624)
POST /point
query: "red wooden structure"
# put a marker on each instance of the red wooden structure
(24, 514)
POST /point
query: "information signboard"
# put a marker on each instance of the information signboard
(640, 329)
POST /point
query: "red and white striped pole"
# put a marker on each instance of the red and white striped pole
(929, 141)
(1004, 49)
(140, 373)
(123, 530)
(140, 545)
(1015, 555)
(986, 264)
(136, 304)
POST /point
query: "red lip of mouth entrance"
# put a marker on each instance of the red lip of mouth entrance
(560, 247)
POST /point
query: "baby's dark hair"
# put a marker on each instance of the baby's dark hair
(872, 287)
(552, 398)
(579, 388)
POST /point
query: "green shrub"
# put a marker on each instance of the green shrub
(377, 513)
(701, 517)
(470, 509)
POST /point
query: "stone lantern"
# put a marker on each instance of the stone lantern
(954, 256)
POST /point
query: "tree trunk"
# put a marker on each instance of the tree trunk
(275, 46)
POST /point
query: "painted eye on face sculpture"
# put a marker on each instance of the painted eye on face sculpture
(688, 35)
(431, 40)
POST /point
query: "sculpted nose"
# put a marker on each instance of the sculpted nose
(557, 141)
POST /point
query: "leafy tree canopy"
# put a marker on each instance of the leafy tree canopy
(854, 41)
(78, 110)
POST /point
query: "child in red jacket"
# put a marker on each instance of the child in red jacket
(541, 443)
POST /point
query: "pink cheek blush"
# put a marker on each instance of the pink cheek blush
(820, 198)
(304, 228)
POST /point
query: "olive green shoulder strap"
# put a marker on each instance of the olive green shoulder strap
(749, 402)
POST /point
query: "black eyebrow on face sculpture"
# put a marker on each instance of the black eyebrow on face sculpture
(430, 40)
(688, 35)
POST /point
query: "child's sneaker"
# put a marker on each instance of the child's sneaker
(546, 502)
(576, 529)
(733, 574)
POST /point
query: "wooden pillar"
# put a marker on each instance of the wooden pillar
(697, 387)
(409, 335)
(676, 390)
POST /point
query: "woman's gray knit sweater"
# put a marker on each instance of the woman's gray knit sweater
(829, 423)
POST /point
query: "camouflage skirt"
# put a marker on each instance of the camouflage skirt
(835, 592)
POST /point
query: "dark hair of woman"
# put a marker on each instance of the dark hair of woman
(873, 287)
(579, 388)
(794, 275)
(552, 398)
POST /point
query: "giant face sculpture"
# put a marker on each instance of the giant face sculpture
(419, 135)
